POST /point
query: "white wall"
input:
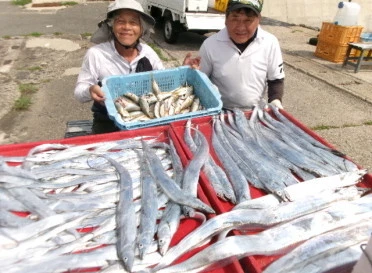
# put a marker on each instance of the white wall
(312, 13)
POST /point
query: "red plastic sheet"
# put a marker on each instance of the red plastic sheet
(175, 131)
(256, 263)
(163, 133)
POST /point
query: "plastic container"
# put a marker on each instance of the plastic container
(221, 5)
(168, 80)
(339, 35)
(331, 52)
(366, 37)
(347, 14)
(368, 23)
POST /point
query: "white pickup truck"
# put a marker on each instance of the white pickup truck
(178, 16)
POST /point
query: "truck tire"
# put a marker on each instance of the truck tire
(171, 30)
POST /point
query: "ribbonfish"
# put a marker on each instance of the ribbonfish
(192, 170)
(251, 219)
(149, 208)
(237, 178)
(216, 176)
(168, 185)
(271, 241)
(125, 217)
(320, 247)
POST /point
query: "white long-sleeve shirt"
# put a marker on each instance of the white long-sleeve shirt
(103, 60)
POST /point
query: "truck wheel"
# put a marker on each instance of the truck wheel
(171, 30)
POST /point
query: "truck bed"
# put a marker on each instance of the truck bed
(210, 10)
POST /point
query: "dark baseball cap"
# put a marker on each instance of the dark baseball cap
(255, 5)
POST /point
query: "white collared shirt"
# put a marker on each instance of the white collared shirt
(241, 77)
(103, 60)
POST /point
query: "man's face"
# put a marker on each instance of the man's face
(127, 27)
(241, 25)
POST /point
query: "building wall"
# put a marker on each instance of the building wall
(306, 12)
(312, 13)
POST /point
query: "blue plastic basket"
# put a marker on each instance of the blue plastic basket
(366, 37)
(168, 80)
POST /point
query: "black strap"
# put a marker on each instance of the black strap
(144, 65)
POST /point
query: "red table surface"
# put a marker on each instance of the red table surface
(205, 192)
(163, 133)
(252, 264)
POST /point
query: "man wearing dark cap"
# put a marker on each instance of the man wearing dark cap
(243, 60)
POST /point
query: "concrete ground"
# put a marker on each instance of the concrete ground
(334, 102)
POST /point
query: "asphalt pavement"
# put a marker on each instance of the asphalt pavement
(333, 101)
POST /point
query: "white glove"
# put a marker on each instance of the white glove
(277, 103)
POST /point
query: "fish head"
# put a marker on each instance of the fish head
(143, 246)
(164, 238)
(128, 259)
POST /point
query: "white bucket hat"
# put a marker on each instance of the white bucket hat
(103, 32)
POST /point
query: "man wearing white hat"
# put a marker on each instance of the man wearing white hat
(118, 51)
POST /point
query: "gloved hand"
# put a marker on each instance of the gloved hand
(277, 103)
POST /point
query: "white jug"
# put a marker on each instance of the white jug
(347, 14)
(368, 27)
